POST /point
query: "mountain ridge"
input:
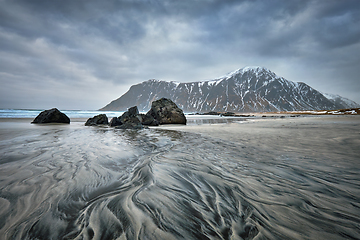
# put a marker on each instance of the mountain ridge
(248, 89)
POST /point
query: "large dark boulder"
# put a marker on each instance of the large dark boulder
(97, 120)
(166, 111)
(51, 116)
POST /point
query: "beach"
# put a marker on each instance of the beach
(332, 136)
(291, 177)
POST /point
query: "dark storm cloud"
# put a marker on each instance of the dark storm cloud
(87, 48)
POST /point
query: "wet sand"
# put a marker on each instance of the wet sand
(258, 178)
(335, 136)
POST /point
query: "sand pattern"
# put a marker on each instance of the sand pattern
(255, 179)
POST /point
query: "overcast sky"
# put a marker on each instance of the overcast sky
(82, 54)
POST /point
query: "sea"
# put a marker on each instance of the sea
(288, 178)
(32, 113)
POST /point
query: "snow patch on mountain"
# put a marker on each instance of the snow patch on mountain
(342, 100)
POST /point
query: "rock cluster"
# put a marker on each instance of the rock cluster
(163, 111)
(129, 120)
(51, 116)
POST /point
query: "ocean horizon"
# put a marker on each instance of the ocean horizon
(32, 113)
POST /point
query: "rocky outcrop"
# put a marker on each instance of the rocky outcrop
(51, 116)
(130, 115)
(166, 111)
(163, 111)
(100, 119)
(130, 119)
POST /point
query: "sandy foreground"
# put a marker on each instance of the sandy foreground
(267, 177)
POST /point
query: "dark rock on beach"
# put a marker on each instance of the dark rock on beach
(129, 120)
(163, 111)
(51, 116)
(130, 115)
(148, 120)
(115, 121)
(97, 120)
(166, 111)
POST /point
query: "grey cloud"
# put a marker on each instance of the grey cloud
(114, 44)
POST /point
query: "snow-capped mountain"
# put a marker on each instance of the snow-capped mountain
(249, 89)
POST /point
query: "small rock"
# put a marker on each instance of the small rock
(97, 120)
(51, 116)
(115, 122)
(166, 111)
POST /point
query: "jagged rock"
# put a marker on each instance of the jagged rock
(97, 120)
(51, 116)
(166, 111)
(130, 115)
(163, 111)
(130, 119)
(115, 122)
(148, 120)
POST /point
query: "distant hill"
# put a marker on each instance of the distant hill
(249, 89)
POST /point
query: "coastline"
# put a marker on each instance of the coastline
(283, 133)
(213, 120)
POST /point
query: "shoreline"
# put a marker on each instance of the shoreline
(222, 119)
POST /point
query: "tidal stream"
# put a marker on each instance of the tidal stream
(77, 182)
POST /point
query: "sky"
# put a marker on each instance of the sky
(83, 54)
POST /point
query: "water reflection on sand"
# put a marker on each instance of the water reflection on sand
(295, 179)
